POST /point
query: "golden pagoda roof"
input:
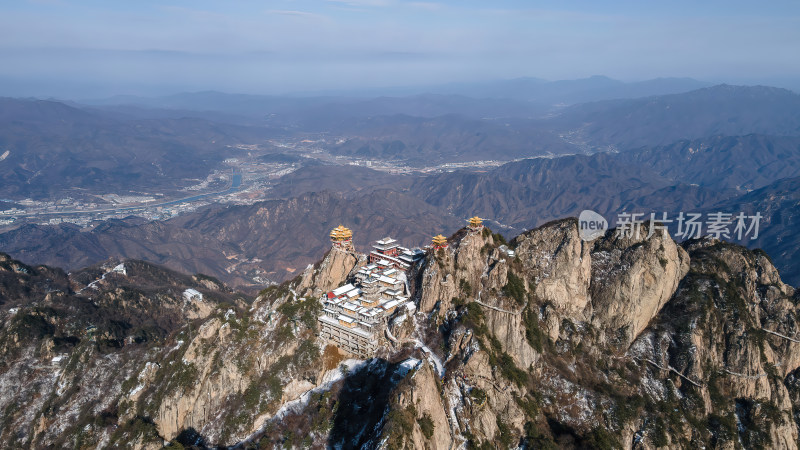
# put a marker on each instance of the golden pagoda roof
(439, 240)
(341, 233)
(475, 221)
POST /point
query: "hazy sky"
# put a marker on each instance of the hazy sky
(52, 47)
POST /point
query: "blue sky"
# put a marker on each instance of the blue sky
(280, 46)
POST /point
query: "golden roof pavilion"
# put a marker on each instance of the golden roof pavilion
(439, 241)
(475, 222)
(340, 234)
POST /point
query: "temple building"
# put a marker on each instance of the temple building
(355, 315)
(438, 242)
(387, 253)
(342, 238)
(475, 224)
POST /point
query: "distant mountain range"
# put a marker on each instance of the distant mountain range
(715, 111)
(271, 240)
(568, 92)
(55, 149)
(617, 125)
(287, 234)
(517, 98)
(523, 91)
(723, 162)
(779, 234)
(522, 195)
(452, 138)
(692, 151)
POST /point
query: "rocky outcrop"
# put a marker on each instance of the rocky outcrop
(730, 335)
(423, 397)
(507, 324)
(194, 406)
(632, 278)
(617, 283)
(470, 267)
(474, 269)
(330, 273)
(559, 265)
(447, 272)
(710, 332)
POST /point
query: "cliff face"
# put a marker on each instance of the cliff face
(133, 361)
(330, 273)
(431, 429)
(621, 342)
(616, 283)
(97, 333)
(559, 264)
(632, 279)
(453, 271)
(732, 335)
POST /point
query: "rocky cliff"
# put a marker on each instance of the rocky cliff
(120, 355)
(331, 272)
(546, 341)
(627, 341)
